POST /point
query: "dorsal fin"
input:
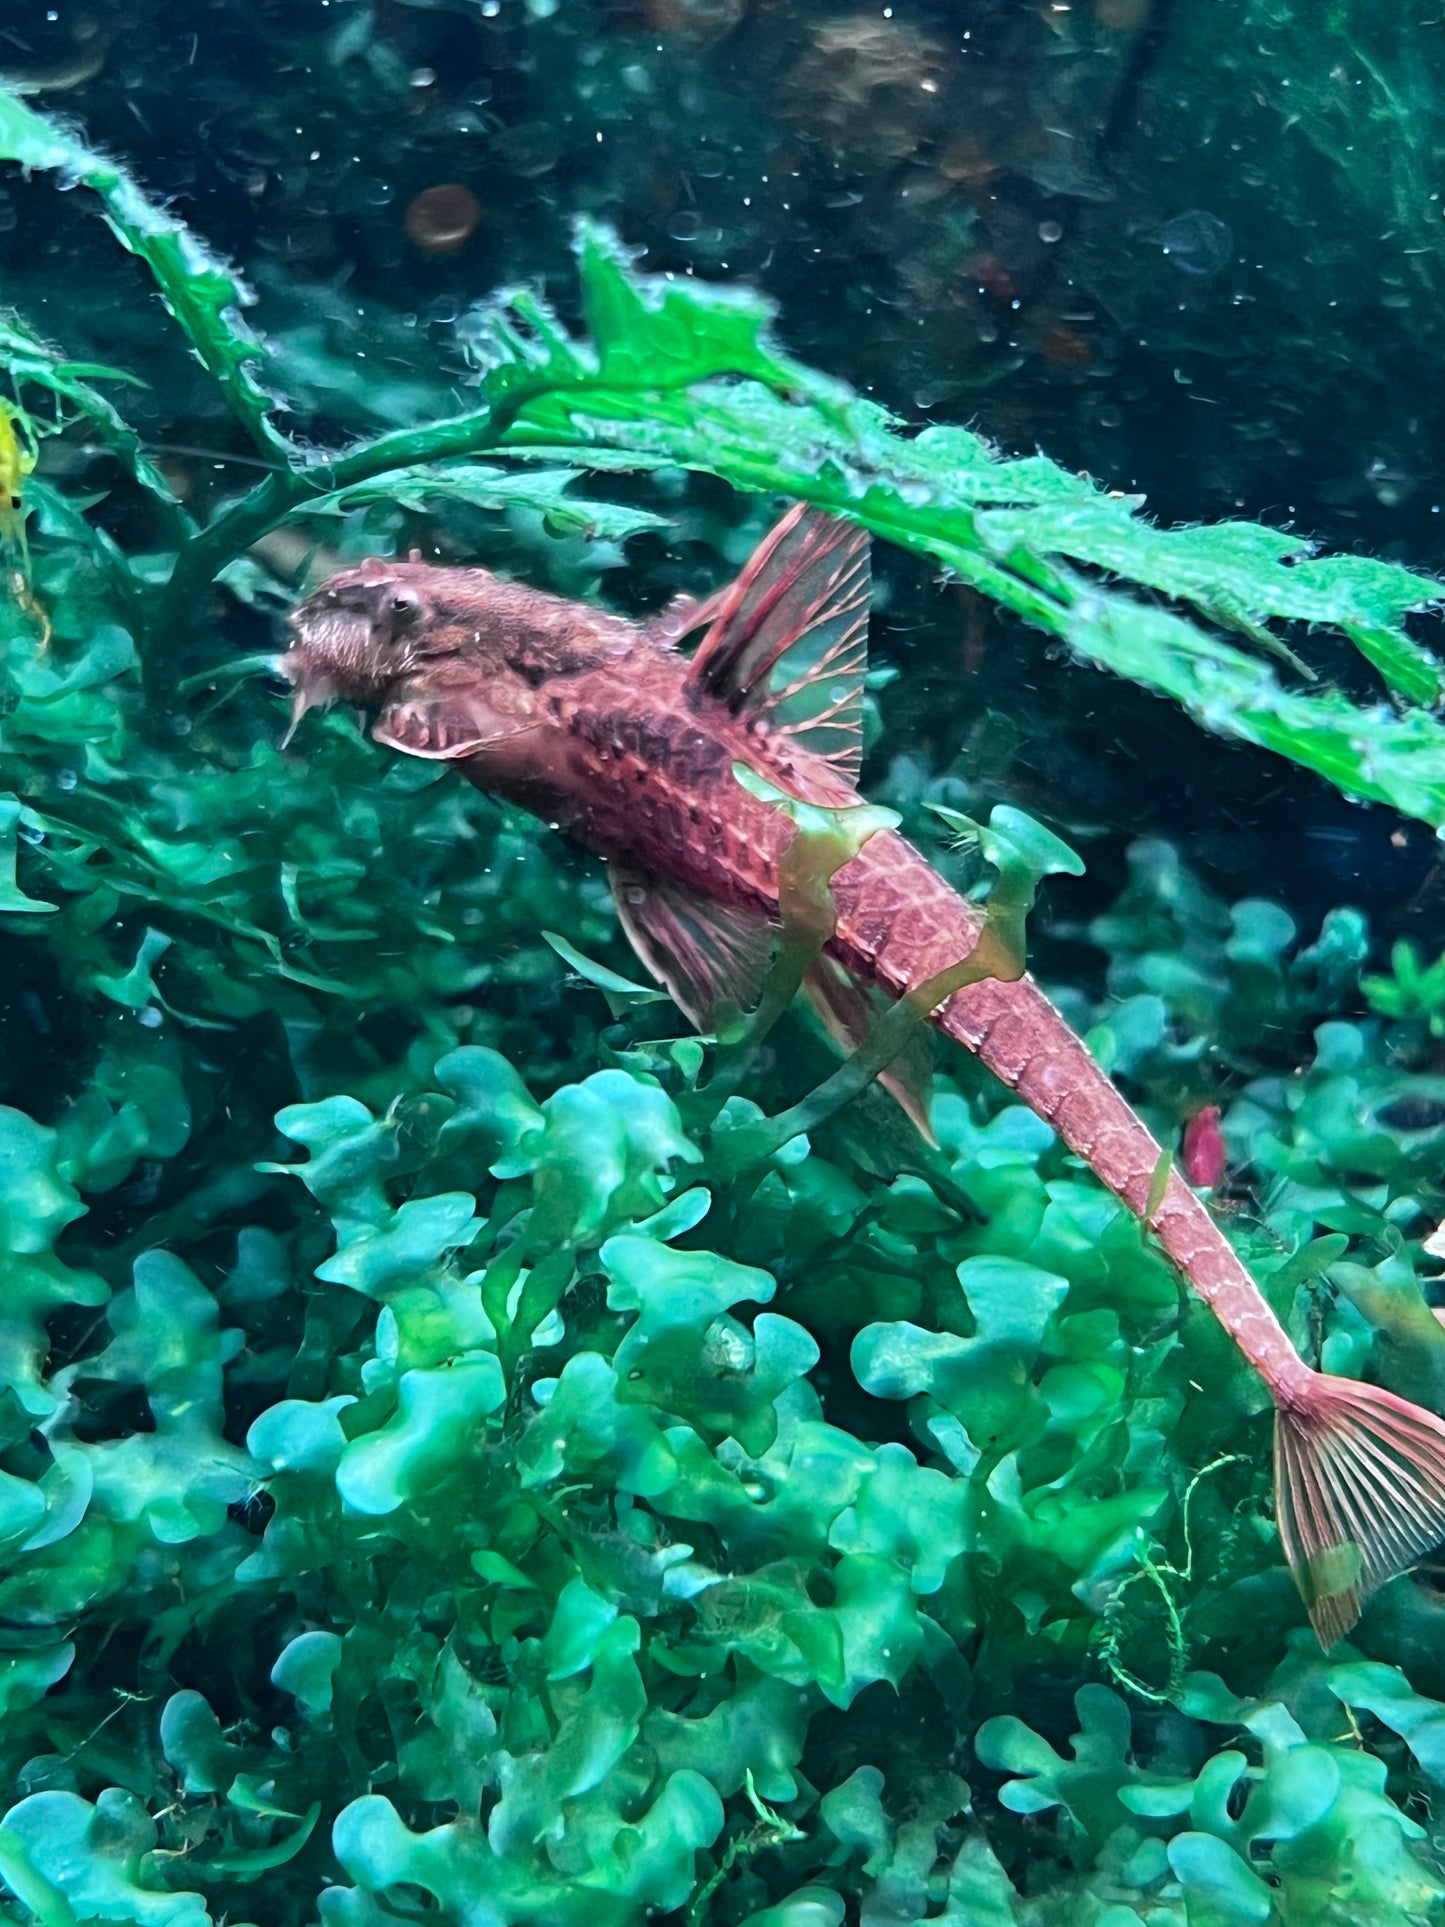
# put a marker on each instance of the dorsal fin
(702, 953)
(788, 645)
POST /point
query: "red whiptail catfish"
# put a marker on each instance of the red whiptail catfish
(604, 729)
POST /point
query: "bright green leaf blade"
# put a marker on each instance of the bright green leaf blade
(1404, 665)
(757, 441)
(657, 332)
(248, 1864)
(419, 486)
(612, 981)
(202, 294)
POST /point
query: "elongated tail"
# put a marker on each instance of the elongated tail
(1359, 1473)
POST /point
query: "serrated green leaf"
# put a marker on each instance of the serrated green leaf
(659, 332)
(422, 486)
(200, 292)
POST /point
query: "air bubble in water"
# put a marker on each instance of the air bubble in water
(1197, 242)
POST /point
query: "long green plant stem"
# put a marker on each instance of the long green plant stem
(286, 490)
(1040, 594)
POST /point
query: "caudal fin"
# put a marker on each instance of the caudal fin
(1360, 1491)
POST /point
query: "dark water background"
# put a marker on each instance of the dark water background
(1188, 247)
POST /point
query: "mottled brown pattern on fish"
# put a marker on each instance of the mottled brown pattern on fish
(602, 729)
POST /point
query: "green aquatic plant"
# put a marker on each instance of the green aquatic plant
(493, 1522)
(469, 1451)
(676, 374)
(1413, 993)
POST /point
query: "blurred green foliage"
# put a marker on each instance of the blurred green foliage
(486, 1493)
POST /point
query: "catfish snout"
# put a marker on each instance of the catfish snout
(352, 640)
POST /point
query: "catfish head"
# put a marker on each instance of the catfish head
(357, 637)
(452, 659)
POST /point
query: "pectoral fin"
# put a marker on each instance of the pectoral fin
(703, 954)
(845, 1011)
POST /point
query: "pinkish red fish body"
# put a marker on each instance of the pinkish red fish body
(605, 730)
(1203, 1150)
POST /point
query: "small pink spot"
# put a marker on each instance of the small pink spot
(1203, 1156)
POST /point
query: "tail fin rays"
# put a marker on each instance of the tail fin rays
(1360, 1488)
